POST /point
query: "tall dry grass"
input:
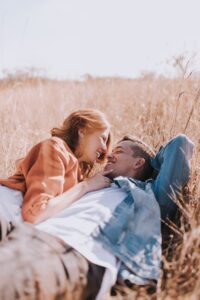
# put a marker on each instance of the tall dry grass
(154, 109)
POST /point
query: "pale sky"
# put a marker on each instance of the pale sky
(70, 38)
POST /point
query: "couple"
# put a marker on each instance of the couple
(97, 229)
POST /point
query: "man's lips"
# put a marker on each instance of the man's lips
(109, 164)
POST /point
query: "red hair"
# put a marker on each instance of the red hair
(89, 120)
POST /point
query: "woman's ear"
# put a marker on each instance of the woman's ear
(81, 133)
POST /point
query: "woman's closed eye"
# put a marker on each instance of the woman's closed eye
(103, 139)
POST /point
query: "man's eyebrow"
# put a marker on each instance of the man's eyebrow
(117, 148)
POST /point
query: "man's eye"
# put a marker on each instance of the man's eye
(117, 152)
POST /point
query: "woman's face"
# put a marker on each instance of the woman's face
(92, 145)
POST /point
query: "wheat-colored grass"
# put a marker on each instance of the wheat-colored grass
(151, 108)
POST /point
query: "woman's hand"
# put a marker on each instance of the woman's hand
(97, 182)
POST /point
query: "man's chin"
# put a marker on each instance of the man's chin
(109, 175)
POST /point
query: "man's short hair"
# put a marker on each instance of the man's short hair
(141, 149)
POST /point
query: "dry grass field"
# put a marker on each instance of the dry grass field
(154, 109)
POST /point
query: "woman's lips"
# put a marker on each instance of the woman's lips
(98, 154)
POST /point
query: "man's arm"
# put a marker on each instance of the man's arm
(172, 163)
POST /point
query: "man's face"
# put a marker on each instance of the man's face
(121, 160)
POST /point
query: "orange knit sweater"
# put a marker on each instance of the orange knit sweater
(49, 169)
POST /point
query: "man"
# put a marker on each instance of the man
(78, 254)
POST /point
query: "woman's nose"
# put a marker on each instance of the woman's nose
(104, 146)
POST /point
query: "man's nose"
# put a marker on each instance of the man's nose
(109, 156)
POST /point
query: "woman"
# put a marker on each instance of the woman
(54, 166)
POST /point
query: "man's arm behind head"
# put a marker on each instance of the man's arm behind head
(173, 165)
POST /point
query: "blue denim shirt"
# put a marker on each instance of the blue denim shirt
(133, 233)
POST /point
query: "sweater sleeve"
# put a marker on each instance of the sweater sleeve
(44, 179)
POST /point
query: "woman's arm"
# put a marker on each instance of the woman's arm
(44, 177)
(173, 165)
(57, 204)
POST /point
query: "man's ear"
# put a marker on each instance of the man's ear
(139, 162)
